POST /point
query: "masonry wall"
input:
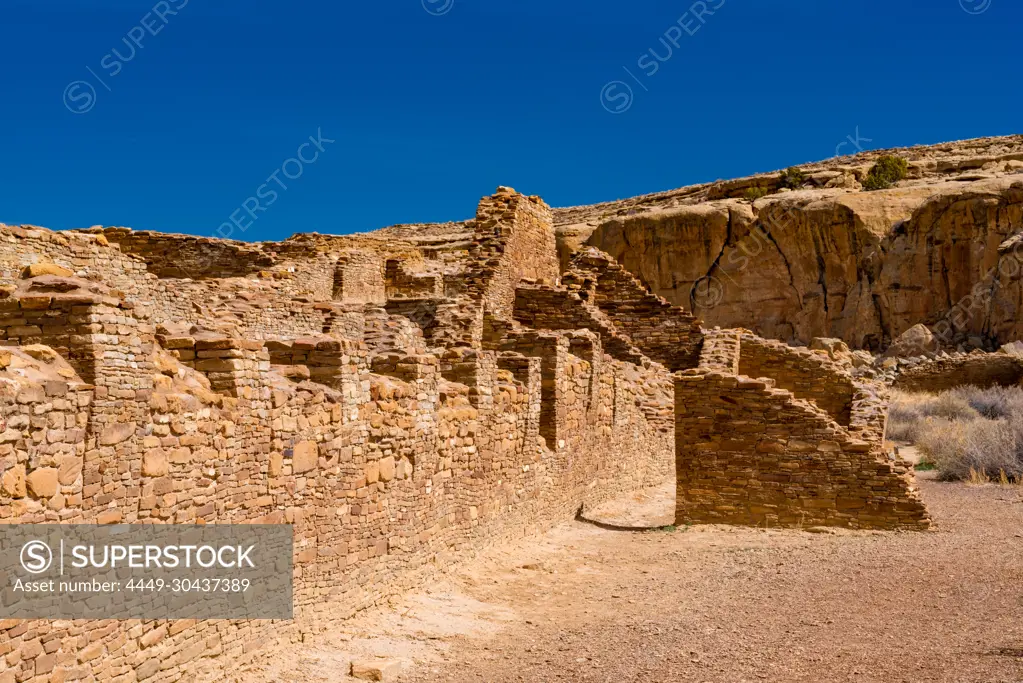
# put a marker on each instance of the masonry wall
(981, 370)
(548, 308)
(359, 277)
(403, 282)
(720, 350)
(258, 309)
(753, 454)
(514, 240)
(189, 256)
(85, 255)
(665, 333)
(388, 470)
(287, 301)
(806, 374)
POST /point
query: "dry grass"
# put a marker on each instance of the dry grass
(968, 434)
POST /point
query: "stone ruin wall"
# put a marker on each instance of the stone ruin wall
(806, 374)
(978, 369)
(750, 452)
(665, 333)
(383, 483)
(514, 241)
(401, 407)
(390, 462)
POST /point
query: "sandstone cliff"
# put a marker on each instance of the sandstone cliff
(830, 259)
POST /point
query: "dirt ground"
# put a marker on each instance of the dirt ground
(711, 603)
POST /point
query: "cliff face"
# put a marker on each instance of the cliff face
(833, 260)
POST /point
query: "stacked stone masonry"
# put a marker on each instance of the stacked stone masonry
(976, 369)
(401, 405)
(665, 333)
(773, 449)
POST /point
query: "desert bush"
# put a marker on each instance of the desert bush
(904, 418)
(994, 402)
(886, 172)
(754, 193)
(967, 433)
(950, 405)
(991, 449)
(910, 412)
(792, 178)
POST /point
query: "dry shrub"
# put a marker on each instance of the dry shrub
(910, 413)
(904, 418)
(993, 403)
(968, 433)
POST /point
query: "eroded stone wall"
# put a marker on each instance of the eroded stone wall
(807, 374)
(750, 453)
(665, 333)
(388, 468)
(976, 369)
(514, 240)
(400, 406)
(776, 449)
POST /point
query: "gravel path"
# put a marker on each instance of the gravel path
(709, 603)
(728, 604)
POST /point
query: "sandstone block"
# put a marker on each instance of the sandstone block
(116, 434)
(916, 341)
(111, 516)
(155, 464)
(372, 472)
(305, 457)
(376, 670)
(42, 482)
(13, 482)
(387, 468)
(37, 269)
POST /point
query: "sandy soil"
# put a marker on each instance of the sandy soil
(712, 603)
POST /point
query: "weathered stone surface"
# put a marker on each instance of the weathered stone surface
(387, 468)
(947, 372)
(116, 434)
(775, 452)
(376, 670)
(37, 269)
(13, 482)
(155, 464)
(42, 482)
(916, 341)
(834, 261)
(305, 457)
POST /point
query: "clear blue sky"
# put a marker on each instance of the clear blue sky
(433, 103)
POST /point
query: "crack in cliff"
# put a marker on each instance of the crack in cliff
(822, 281)
(715, 263)
(788, 266)
(864, 273)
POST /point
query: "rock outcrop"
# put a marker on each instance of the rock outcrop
(941, 248)
(916, 341)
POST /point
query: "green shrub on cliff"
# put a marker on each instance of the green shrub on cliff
(755, 192)
(792, 178)
(886, 172)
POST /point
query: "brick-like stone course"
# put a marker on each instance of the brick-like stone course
(389, 467)
(764, 451)
(807, 374)
(976, 369)
(665, 333)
